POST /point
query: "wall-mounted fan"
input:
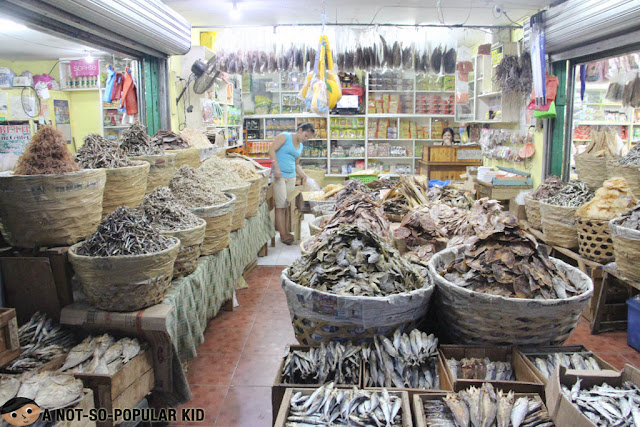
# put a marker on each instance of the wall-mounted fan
(204, 76)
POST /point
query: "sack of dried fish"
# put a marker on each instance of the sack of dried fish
(219, 221)
(34, 209)
(101, 355)
(194, 190)
(195, 138)
(558, 214)
(161, 168)
(331, 362)
(248, 173)
(139, 268)
(548, 188)
(625, 235)
(136, 142)
(46, 154)
(454, 197)
(506, 267)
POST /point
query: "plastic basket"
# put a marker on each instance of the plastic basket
(633, 323)
(364, 178)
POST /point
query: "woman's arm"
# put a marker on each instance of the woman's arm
(300, 172)
(278, 142)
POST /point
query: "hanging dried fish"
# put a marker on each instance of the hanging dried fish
(263, 62)
(436, 60)
(526, 73)
(272, 63)
(425, 62)
(387, 56)
(397, 55)
(407, 58)
(507, 74)
(358, 58)
(449, 61)
(341, 62)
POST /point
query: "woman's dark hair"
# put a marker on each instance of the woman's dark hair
(453, 134)
(306, 127)
(16, 403)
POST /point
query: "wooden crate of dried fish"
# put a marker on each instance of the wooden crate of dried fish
(585, 399)
(540, 298)
(628, 167)
(543, 361)
(625, 235)
(126, 265)
(378, 280)
(558, 214)
(501, 366)
(219, 222)
(334, 406)
(225, 179)
(483, 406)
(547, 189)
(161, 168)
(50, 210)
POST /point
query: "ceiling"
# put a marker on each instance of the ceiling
(409, 12)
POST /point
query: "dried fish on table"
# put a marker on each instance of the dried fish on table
(331, 406)
(548, 363)
(612, 199)
(453, 197)
(101, 355)
(136, 142)
(163, 211)
(219, 173)
(124, 232)
(632, 157)
(357, 262)
(474, 368)
(548, 188)
(169, 140)
(332, 361)
(574, 194)
(98, 152)
(47, 153)
(606, 405)
(195, 190)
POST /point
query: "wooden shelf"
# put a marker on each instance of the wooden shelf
(458, 163)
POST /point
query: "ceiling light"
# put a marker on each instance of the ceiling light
(10, 26)
(235, 12)
(88, 58)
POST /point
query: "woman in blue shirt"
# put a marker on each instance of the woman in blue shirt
(285, 152)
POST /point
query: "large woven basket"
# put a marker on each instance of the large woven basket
(264, 185)
(218, 218)
(631, 174)
(626, 248)
(319, 317)
(532, 209)
(125, 187)
(125, 282)
(240, 205)
(595, 240)
(253, 197)
(190, 246)
(50, 210)
(161, 170)
(469, 317)
(612, 162)
(559, 225)
(187, 156)
(592, 170)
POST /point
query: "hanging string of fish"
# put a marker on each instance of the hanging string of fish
(98, 152)
(136, 142)
(164, 213)
(169, 140)
(50, 390)
(607, 405)
(101, 355)
(574, 194)
(549, 187)
(474, 368)
(547, 365)
(514, 75)
(331, 362)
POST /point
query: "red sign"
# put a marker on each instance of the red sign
(84, 68)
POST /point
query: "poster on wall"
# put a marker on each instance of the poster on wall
(13, 140)
(4, 104)
(63, 120)
(22, 109)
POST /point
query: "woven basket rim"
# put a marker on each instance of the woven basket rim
(138, 164)
(11, 174)
(508, 300)
(152, 156)
(542, 202)
(243, 186)
(202, 208)
(182, 149)
(614, 223)
(203, 224)
(175, 246)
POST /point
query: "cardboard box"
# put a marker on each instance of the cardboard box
(565, 413)
(526, 380)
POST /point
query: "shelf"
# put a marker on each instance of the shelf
(603, 103)
(347, 139)
(390, 116)
(458, 163)
(390, 139)
(116, 127)
(391, 91)
(337, 175)
(392, 157)
(283, 116)
(313, 158)
(602, 123)
(346, 115)
(347, 158)
(435, 91)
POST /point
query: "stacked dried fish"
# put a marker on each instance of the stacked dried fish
(481, 369)
(98, 152)
(332, 361)
(407, 361)
(164, 213)
(484, 407)
(168, 140)
(244, 169)
(631, 219)
(41, 341)
(515, 75)
(606, 405)
(47, 153)
(218, 172)
(50, 390)
(507, 261)
(632, 157)
(101, 355)
(124, 232)
(136, 142)
(194, 190)
(483, 217)
(603, 143)
(612, 199)
(355, 189)
(574, 194)
(195, 138)
(380, 185)
(330, 406)
(582, 361)
(453, 197)
(409, 193)
(548, 188)
(357, 262)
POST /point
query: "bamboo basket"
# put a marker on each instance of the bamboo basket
(632, 175)
(592, 170)
(50, 210)
(253, 197)
(264, 185)
(126, 282)
(186, 156)
(317, 174)
(612, 162)
(595, 240)
(469, 317)
(559, 225)
(218, 218)
(626, 247)
(190, 247)
(162, 168)
(534, 216)
(125, 187)
(240, 205)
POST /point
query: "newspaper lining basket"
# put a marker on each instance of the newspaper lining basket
(595, 240)
(218, 218)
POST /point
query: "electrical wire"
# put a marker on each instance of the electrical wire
(54, 66)
(507, 16)
(22, 98)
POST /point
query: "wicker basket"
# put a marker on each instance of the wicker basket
(595, 240)
(186, 156)
(240, 205)
(626, 247)
(50, 210)
(264, 185)
(611, 166)
(318, 317)
(253, 197)
(125, 187)
(631, 174)
(161, 170)
(190, 246)
(592, 170)
(316, 226)
(534, 216)
(559, 225)
(218, 218)
(127, 282)
(469, 317)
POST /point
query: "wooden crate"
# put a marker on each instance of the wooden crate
(85, 406)
(452, 153)
(439, 154)
(499, 192)
(9, 340)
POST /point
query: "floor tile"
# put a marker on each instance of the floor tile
(254, 369)
(208, 398)
(246, 407)
(212, 369)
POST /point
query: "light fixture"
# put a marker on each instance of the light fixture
(10, 26)
(88, 58)
(235, 12)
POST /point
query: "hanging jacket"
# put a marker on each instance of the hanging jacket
(129, 95)
(111, 77)
(116, 93)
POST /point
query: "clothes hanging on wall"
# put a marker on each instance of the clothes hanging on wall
(111, 76)
(116, 92)
(129, 95)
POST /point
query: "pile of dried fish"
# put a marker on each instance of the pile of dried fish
(409, 193)
(101, 355)
(582, 361)
(453, 197)
(244, 169)
(219, 173)
(603, 143)
(195, 138)
(548, 188)
(479, 407)
(330, 406)
(50, 390)
(612, 199)
(481, 369)
(41, 341)
(484, 217)
(47, 153)
(357, 262)
(631, 219)
(507, 261)
(98, 152)
(574, 194)
(136, 142)
(164, 213)
(194, 190)
(355, 189)
(407, 361)
(606, 405)
(631, 158)
(168, 140)
(380, 186)
(332, 361)
(124, 232)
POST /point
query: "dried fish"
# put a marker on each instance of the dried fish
(353, 189)
(607, 405)
(332, 361)
(574, 194)
(474, 368)
(47, 153)
(169, 140)
(96, 354)
(449, 61)
(453, 197)
(631, 219)
(243, 168)
(51, 390)
(136, 142)
(507, 74)
(548, 188)
(436, 59)
(194, 190)
(612, 199)
(162, 210)
(603, 143)
(409, 193)
(632, 157)
(9, 387)
(219, 173)
(547, 363)
(98, 152)
(195, 138)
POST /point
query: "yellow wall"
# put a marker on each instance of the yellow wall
(85, 113)
(35, 67)
(533, 166)
(177, 112)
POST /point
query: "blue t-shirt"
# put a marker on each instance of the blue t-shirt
(287, 155)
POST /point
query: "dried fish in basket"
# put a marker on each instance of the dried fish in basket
(136, 142)
(625, 234)
(331, 362)
(628, 168)
(194, 190)
(558, 214)
(548, 188)
(98, 152)
(407, 194)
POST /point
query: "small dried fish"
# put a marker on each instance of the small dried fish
(169, 140)
(607, 405)
(194, 189)
(47, 153)
(332, 361)
(136, 142)
(98, 152)
(164, 213)
(243, 168)
(547, 365)
(548, 188)
(574, 194)
(632, 157)
(219, 173)
(195, 138)
(631, 219)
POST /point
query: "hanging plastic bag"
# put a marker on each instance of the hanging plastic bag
(334, 87)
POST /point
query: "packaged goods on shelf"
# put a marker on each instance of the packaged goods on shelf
(347, 128)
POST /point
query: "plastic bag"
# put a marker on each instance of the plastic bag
(311, 185)
(438, 183)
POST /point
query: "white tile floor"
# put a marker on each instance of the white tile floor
(283, 254)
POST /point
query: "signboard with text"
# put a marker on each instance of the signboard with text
(14, 138)
(84, 68)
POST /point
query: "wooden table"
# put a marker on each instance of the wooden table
(445, 170)
(498, 192)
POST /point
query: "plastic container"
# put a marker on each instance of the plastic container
(633, 323)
